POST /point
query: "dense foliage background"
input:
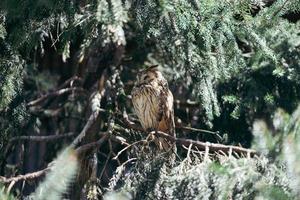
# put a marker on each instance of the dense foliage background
(67, 69)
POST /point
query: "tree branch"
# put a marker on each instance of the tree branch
(203, 145)
(214, 133)
(42, 172)
(35, 138)
(28, 176)
(41, 138)
(92, 145)
(54, 94)
(70, 82)
(92, 119)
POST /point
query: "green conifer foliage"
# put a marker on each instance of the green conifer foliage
(274, 174)
(237, 60)
(214, 42)
(12, 108)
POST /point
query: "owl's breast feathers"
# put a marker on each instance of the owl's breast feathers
(154, 107)
(146, 105)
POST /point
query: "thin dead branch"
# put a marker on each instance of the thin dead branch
(29, 176)
(95, 106)
(92, 145)
(41, 138)
(70, 82)
(35, 138)
(92, 119)
(37, 174)
(212, 147)
(54, 94)
(197, 130)
(127, 147)
(214, 133)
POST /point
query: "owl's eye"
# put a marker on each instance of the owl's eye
(145, 77)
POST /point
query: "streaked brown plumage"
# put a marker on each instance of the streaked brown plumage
(153, 103)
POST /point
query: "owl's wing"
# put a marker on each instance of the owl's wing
(166, 115)
(166, 119)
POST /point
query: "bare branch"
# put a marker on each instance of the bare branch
(201, 145)
(28, 176)
(41, 138)
(92, 145)
(70, 82)
(95, 106)
(54, 94)
(196, 130)
(92, 119)
(42, 172)
(127, 147)
(212, 147)
(214, 133)
(35, 138)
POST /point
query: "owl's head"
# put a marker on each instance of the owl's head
(149, 75)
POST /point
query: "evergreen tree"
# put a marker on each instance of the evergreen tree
(67, 69)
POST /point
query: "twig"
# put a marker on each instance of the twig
(193, 151)
(45, 112)
(104, 167)
(95, 106)
(201, 145)
(127, 147)
(197, 130)
(37, 174)
(54, 94)
(127, 161)
(92, 145)
(92, 119)
(28, 176)
(212, 147)
(41, 138)
(214, 133)
(119, 139)
(134, 126)
(69, 82)
(189, 152)
(35, 138)
(97, 144)
(111, 151)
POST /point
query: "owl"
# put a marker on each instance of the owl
(153, 103)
